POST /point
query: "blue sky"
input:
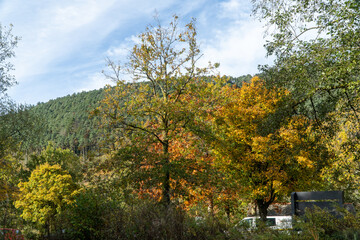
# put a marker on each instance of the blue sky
(64, 43)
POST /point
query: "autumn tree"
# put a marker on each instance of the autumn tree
(316, 50)
(45, 195)
(266, 160)
(153, 109)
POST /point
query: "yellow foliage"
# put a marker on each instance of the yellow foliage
(269, 162)
(47, 191)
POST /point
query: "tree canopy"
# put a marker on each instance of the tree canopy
(48, 190)
(316, 49)
(270, 164)
(316, 45)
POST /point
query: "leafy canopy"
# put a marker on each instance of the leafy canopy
(316, 45)
(266, 165)
(46, 193)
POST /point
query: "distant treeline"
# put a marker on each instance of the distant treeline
(67, 121)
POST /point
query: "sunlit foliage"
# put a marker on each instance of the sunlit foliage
(267, 163)
(46, 193)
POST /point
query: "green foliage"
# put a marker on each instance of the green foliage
(46, 193)
(7, 43)
(86, 216)
(89, 216)
(317, 54)
(320, 224)
(149, 220)
(16, 124)
(316, 224)
(238, 81)
(65, 158)
(66, 121)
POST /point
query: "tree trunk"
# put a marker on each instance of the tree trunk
(47, 227)
(166, 168)
(228, 211)
(263, 205)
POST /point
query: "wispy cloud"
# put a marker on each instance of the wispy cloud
(65, 43)
(235, 40)
(57, 30)
(238, 48)
(94, 81)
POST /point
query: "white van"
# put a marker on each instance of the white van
(274, 222)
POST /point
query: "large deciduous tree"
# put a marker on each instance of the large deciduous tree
(267, 160)
(153, 109)
(317, 55)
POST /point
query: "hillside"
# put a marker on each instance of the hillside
(66, 121)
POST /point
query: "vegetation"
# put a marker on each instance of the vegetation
(156, 114)
(182, 153)
(46, 193)
(268, 157)
(67, 123)
(315, 45)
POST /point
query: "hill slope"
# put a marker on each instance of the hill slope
(66, 121)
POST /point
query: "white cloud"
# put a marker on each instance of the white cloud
(238, 48)
(53, 32)
(58, 29)
(121, 51)
(65, 43)
(94, 81)
(229, 35)
(235, 9)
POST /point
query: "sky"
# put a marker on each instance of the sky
(64, 44)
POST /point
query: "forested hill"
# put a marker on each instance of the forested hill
(66, 121)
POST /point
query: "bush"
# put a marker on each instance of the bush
(316, 224)
(149, 220)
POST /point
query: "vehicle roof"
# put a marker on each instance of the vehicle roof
(268, 217)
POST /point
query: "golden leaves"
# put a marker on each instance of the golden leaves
(271, 161)
(49, 189)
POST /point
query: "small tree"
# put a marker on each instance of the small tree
(44, 196)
